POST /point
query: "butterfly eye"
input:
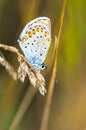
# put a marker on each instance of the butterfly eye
(43, 66)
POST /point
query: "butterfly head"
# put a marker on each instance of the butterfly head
(43, 66)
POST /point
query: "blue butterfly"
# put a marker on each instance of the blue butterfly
(35, 41)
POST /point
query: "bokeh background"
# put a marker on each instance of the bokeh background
(68, 109)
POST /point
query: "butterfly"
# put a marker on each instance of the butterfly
(35, 40)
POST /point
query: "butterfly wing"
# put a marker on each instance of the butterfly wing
(35, 40)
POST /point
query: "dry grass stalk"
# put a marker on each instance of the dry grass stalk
(8, 48)
(24, 69)
(44, 124)
(8, 67)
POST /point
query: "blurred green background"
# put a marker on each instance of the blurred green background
(68, 109)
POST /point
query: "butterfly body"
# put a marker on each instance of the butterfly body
(35, 40)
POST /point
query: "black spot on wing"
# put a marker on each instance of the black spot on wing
(35, 50)
(40, 36)
(37, 36)
(40, 54)
(25, 46)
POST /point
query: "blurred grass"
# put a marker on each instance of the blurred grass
(46, 113)
(68, 105)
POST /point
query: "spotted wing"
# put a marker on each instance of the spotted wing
(35, 40)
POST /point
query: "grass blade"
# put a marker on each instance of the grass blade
(44, 124)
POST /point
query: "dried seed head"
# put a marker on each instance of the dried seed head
(22, 70)
(41, 83)
(35, 77)
(32, 78)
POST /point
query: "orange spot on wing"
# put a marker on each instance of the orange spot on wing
(24, 39)
(30, 34)
(45, 34)
(38, 29)
(34, 31)
(42, 30)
